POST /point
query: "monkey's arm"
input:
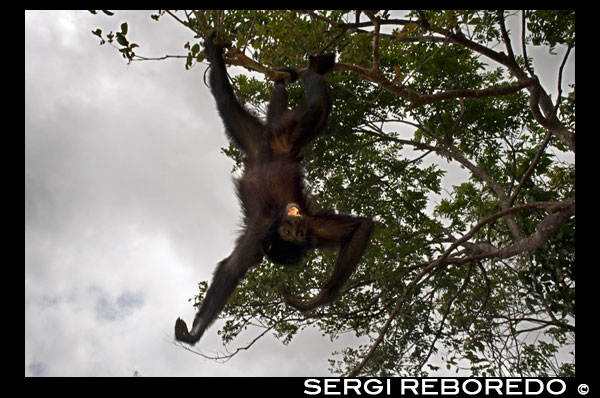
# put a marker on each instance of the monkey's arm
(228, 274)
(278, 103)
(240, 126)
(306, 122)
(351, 235)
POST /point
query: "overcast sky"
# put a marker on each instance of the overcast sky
(128, 204)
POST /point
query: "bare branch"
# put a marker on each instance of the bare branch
(418, 99)
(222, 357)
(495, 91)
(560, 212)
(186, 24)
(505, 38)
(376, 28)
(524, 44)
(560, 75)
(142, 58)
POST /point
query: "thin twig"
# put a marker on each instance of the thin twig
(524, 44)
(531, 168)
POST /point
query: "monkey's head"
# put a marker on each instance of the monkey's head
(285, 239)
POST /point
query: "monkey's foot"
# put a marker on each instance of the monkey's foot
(182, 334)
(214, 50)
(322, 63)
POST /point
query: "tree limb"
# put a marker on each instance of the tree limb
(559, 213)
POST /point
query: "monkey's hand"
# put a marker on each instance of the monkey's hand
(321, 63)
(182, 334)
(214, 50)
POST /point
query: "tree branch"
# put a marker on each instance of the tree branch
(560, 75)
(186, 24)
(559, 213)
(221, 357)
(524, 44)
(418, 99)
(531, 168)
(448, 307)
(376, 28)
(496, 91)
(505, 38)
(453, 152)
(549, 119)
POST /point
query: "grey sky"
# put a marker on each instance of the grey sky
(128, 204)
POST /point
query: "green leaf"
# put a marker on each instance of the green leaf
(122, 40)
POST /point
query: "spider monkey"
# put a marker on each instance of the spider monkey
(279, 219)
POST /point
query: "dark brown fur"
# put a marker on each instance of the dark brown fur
(271, 183)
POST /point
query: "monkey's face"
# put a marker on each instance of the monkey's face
(292, 229)
(285, 240)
